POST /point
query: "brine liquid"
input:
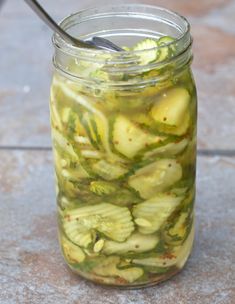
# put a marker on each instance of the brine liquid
(125, 171)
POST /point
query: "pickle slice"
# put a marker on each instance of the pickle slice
(172, 107)
(72, 252)
(135, 243)
(168, 150)
(81, 224)
(156, 177)
(177, 258)
(171, 111)
(155, 211)
(129, 139)
(108, 170)
(108, 268)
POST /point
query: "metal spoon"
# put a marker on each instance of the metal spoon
(95, 43)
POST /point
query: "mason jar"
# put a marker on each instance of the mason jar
(124, 141)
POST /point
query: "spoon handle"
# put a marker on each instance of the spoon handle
(36, 7)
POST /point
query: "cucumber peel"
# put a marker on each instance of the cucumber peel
(108, 267)
(135, 243)
(155, 177)
(149, 54)
(81, 224)
(156, 211)
(129, 139)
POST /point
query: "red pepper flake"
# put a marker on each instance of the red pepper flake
(116, 142)
(99, 280)
(146, 144)
(168, 255)
(177, 140)
(130, 139)
(121, 281)
(67, 217)
(74, 261)
(164, 119)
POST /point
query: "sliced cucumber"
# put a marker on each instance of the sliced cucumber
(177, 232)
(158, 261)
(89, 124)
(182, 128)
(72, 123)
(92, 154)
(66, 161)
(190, 153)
(189, 199)
(141, 118)
(108, 268)
(165, 40)
(149, 53)
(130, 274)
(129, 139)
(66, 113)
(178, 257)
(155, 211)
(100, 121)
(98, 246)
(82, 140)
(72, 252)
(157, 270)
(54, 115)
(168, 150)
(125, 101)
(61, 142)
(165, 49)
(67, 187)
(179, 227)
(96, 129)
(108, 170)
(156, 177)
(135, 243)
(124, 197)
(81, 223)
(179, 191)
(172, 110)
(74, 174)
(102, 188)
(182, 252)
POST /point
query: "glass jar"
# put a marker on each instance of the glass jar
(124, 142)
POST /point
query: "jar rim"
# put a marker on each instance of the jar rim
(90, 13)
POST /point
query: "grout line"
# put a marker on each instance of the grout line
(200, 152)
(216, 152)
(24, 148)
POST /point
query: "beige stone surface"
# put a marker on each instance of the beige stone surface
(32, 269)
